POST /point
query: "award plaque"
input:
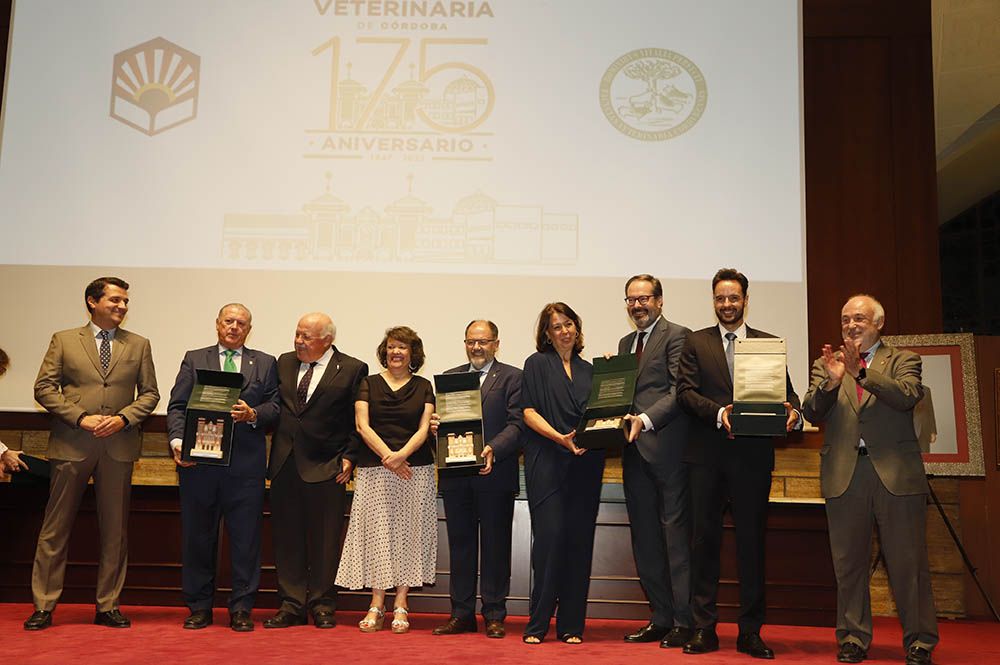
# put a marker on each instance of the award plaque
(603, 424)
(208, 425)
(759, 387)
(459, 445)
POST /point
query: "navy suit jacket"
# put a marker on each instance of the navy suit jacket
(260, 391)
(322, 433)
(703, 387)
(503, 424)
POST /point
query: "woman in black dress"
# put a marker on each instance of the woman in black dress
(392, 536)
(563, 481)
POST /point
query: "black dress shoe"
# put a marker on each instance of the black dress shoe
(112, 619)
(283, 619)
(324, 619)
(198, 619)
(495, 629)
(918, 656)
(750, 643)
(851, 652)
(241, 622)
(704, 640)
(676, 638)
(648, 633)
(38, 620)
(454, 626)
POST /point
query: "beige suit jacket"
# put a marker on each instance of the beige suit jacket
(883, 418)
(71, 383)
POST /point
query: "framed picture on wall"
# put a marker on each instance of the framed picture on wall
(947, 420)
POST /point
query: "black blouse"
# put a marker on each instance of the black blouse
(395, 415)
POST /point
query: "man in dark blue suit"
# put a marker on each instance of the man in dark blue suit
(234, 493)
(480, 508)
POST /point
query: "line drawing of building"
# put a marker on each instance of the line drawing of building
(479, 229)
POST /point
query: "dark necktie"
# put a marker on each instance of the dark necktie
(303, 390)
(861, 391)
(105, 349)
(639, 344)
(731, 353)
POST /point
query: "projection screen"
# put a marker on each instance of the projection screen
(397, 162)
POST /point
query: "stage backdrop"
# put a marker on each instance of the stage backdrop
(397, 162)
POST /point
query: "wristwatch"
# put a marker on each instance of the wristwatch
(861, 375)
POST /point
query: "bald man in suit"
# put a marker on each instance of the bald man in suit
(871, 473)
(99, 384)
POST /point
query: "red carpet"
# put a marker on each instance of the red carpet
(157, 637)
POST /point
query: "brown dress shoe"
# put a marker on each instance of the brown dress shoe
(454, 626)
(495, 629)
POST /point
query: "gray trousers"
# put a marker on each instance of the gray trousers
(113, 488)
(902, 524)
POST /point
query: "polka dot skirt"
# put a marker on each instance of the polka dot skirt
(392, 533)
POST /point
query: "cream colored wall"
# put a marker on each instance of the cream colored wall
(176, 309)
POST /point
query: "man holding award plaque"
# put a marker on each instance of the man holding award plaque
(726, 468)
(234, 492)
(654, 474)
(479, 506)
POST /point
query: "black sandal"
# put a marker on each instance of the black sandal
(571, 639)
(532, 639)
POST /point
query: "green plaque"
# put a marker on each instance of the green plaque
(611, 393)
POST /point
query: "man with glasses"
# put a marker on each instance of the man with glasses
(480, 508)
(654, 474)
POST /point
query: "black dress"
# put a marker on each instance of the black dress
(564, 492)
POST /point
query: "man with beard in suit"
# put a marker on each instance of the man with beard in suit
(232, 493)
(480, 508)
(723, 468)
(654, 473)
(313, 451)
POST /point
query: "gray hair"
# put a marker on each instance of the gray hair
(878, 312)
(235, 305)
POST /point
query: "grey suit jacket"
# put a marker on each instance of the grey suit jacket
(883, 418)
(656, 392)
(71, 383)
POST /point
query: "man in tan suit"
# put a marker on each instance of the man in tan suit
(871, 474)
(99, 384)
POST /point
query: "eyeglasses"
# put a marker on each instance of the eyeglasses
(642, 300)
(472, 343)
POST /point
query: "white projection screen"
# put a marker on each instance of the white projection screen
(397, 162)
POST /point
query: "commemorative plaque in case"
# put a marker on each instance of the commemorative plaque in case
(603, 424)
(759, 387)
(459, 444)
(208, 425)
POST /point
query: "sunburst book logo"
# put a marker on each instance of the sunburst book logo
(154, 86)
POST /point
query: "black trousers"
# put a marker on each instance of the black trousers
(479, 529)
(659, 516)
(307, 522)
(745, 482)
(210, 494)
(562, 530)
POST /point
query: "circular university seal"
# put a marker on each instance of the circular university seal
(653, 94)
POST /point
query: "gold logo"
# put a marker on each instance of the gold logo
(154, 86)
(653, 94)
